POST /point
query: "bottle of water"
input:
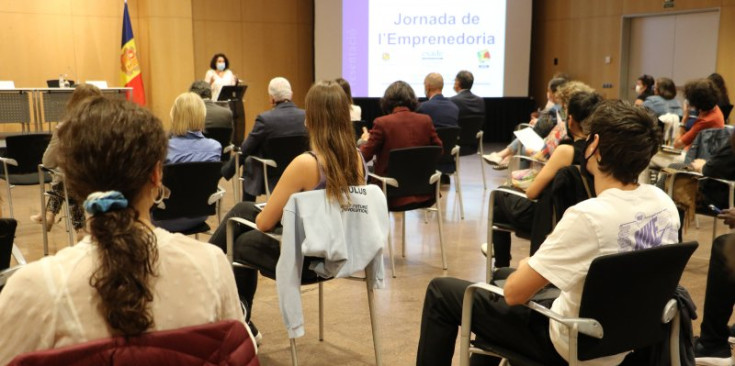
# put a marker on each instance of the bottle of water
(67, 84)
(61, 80)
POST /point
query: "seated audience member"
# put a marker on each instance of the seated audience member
(442, 111)
(127, 277)
(663, 99)
(518, 211)
(355, 110)
(50, 160)
(187, 144)
(712, 346)
(333, 164)
(401, 127)
(721, 165)
(469, 104)
(644, 88)
(724, 100)
(610, 223)
(217, 115)
(285, 119)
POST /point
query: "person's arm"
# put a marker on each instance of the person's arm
(561, 157)
(300, 175)
(523, 284)
(49, 156)
(638, 102)
(209, 77)
(698, 164)
(687, 138)
(433, 136)
(374, 142)
(256, 136)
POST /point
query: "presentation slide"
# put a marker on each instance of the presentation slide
(381, 41)
(407, 39)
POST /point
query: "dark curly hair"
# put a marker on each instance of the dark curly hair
(115, 145)
(702, 94)
(213, 63)
(398, 94)
(628, 138)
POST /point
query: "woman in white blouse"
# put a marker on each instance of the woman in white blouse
(219, 74)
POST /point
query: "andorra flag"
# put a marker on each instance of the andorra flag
(129, 65)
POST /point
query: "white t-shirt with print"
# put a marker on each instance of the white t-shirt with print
(615, 221)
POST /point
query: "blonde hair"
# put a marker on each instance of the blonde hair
(187, 114)
(565, 92)
(333, 139)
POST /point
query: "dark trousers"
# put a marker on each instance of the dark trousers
(516, 328)
(512, 210)
(252, 248)
(719, 297)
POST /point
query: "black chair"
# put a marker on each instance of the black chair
(8, 249)
(627, 303)
(194, 193)
(277, 154)
(54, 83)
(20, 163)
(470, 139)
(358, 125)
(449, 161)
(412, 172)
(222, 135)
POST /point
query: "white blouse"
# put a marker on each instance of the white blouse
(217, 82)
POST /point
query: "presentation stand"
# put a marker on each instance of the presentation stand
(232, 96)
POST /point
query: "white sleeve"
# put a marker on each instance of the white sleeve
(565, 256)
(209, 76)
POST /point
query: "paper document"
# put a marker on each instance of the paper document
(530, 139)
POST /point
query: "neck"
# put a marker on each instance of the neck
(605, 182)
(432, 94)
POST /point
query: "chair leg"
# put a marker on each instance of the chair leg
(458, 191)
(294, 359)
(439, 221)
(714, 228)
(374, 324)
(390, 251)
(482, 166)
(42, 187)
(321, 311)
(69, 224)
(403, 234)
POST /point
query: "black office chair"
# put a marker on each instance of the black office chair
(8, 249)
(449, 161)
(222, 135)
(20, 163)
(627, 303)
(278, 152)
(194, 193)
(470, 139)
(412, 172)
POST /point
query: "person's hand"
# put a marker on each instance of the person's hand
(729, 216)
(697, 164)
(533, 121)
(365, 134)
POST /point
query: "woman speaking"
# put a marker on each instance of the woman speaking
(219, 74)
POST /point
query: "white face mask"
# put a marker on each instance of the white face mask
(221, 66)
(638, 89)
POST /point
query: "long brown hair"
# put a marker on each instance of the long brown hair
(114, 145)
(80, 94)
(333, 139)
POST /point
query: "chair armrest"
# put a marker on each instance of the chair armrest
(731, 188)
(513, 192)
(526, 158)
(234, 221)
(10, 161)
(455, 150)
(216, 196)
(437, 176)
(479, 135)
(590, 327)
(267, 162)
(228, 148)
(522, 125)
(385, 180)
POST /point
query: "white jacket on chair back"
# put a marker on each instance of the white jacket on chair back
(349, 240)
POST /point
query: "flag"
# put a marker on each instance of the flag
(129, 65)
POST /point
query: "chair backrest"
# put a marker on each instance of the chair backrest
(27, 150)
(627, 292)
(191, 185)
(412, 167)
(449, 137)
(7, 236)
(469, 127)
(358, 125)
(282, 150)
(223, 135)
(225, 343)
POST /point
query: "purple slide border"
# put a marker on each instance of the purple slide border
(355, 45)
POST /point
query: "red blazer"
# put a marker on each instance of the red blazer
(400, 129)
(225, 343)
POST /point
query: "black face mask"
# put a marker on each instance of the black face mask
(587, 143)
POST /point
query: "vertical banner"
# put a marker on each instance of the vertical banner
(129, 65)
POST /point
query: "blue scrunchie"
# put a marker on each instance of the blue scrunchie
(101, 202)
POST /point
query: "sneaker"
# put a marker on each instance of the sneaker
(712, 357)
(493, 158)
(256, 334)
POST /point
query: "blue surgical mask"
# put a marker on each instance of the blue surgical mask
(221, 66)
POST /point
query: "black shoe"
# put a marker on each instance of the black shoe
(256, 334)
(718, 356)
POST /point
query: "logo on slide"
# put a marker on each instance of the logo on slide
(483, 56)
(386, 56)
